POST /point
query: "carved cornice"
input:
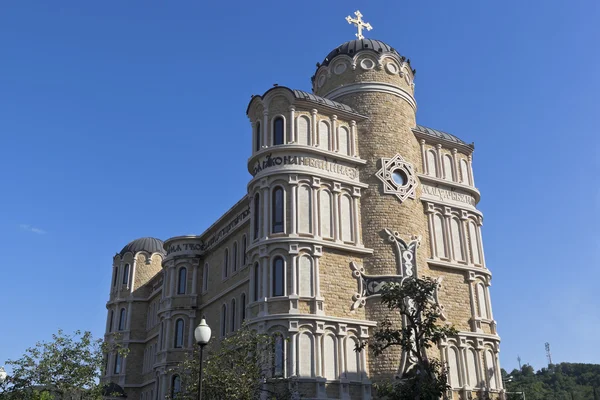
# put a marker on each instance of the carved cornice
(469, 268)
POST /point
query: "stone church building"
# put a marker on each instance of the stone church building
(347, 191)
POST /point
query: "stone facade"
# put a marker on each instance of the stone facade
(339, 178)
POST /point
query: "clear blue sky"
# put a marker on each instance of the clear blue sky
(127, 119)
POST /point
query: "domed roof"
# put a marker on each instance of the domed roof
(355, 46)
(147, 244)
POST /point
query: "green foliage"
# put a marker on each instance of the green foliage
(234, 368)
(413, 300)
(68, 366)
(565, 381)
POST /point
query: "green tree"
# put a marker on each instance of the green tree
(67, 366)
(412, 299)
(242, 366)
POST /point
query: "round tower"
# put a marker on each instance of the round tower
(376, 81)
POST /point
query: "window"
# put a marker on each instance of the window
(175, 385)
(256, 216)
(179, 326)
(181, 286)
(325, 201)
(257, 135)
(278, 277)
(448, 170)
(223, 320)
(277, 210)
(453, 368)
(304, 216)
(439, 228)
(122, 320)
(278, 131)
(344, 140)
(243, 306)
(112, 318)
(346, 220)
(232, 323)
(115, 275)
(278, 355)
(256, 281)
(126, 275)
(324, 135)
(235, 256)
(432, 163)
(305, 271)
(244, 245)
(226, 263)
(118, 364)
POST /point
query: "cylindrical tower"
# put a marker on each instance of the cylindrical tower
(375, 80)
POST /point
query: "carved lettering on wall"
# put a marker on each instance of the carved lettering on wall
(323, 164)
(448, 195)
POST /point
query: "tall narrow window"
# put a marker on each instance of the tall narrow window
(179, 326)
(325, 213)
(257, 135)
(453, 367)
(118, 363)
(278, 355)
(278, 277)
(439, 229)
(126, 275)
(122, 316)
(243, 306)
(256, 216)
(474, 243)
(277, 210)
(278, 131)
(115, 275)
(304, 209)
(456, 239)
(303, 132)
(346, 220)
(464, 172)
(226, 263)
(448, 170)
(181, 285)
(256, 281)
(324, 135)
(112, 318)
(232, 317)
(481, 301)
(235, 256)
(244, 245)
(305, 271)
(205, 278)
(344, 140)
(175, 386)
(432, 163)
(223, 320)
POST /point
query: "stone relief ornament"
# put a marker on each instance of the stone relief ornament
(398, 177)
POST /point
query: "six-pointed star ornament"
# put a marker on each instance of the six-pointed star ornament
(398, 177)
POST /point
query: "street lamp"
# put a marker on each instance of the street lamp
(202, 335)
(3, 375)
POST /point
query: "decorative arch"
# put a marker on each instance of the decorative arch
(278, 130)
(344, 141)
(448, 169)
(324, 135)
(330, 356)
(179, 333)
(432, 166)
(326, 213)
(304, 212)
(306, 355)
(278, 209)
(182, 280)
(303, 132)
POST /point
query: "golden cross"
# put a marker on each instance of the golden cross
(360, 24)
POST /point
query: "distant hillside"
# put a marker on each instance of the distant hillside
(564, 381)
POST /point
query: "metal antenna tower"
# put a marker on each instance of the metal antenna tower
(548, 355)
(519, 360)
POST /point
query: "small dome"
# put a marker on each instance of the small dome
(147, 244)
(355, 46)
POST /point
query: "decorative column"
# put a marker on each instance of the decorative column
(292, 135)
(195, 266)
(131, 280)
(293, 181)
(448, 233)
(471, 178)
(440, 162)
(353, 139)
(265, 211)
(313, 122)
(265, 128)
(337, 187)
(316, 185)
(335, 146)
(455, 166)
(356, 217)
(424, 156)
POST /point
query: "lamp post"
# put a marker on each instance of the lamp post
(3, 375)
(202, 335)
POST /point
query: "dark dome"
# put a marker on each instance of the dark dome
(147, 244)
(354, 46)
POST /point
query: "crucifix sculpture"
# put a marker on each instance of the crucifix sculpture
(359, 23)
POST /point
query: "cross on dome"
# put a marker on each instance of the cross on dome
(359, 23)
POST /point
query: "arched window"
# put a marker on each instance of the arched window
(256, 281)
(490, 367)
(277, 210)
(226, 263)
(324, 135)
(223, 320)
(472, 368)
(453, 370)
(303, 132)
(305, 271)
(244, 245)
(438, 227)
(278, 131)
(257, 134)
(175, 386)
(232, 323)
(448, 170)
(181, 285)
(179, 326)
(243, 306)
(205, 278)
(122, 321)
(344, 140)
(464, 172)
(118, 363)
(278, 355)
(352, 359)
(115, 275)
(306, 356)
(432, 169)
(481, 302)
(235, 256)
(346, 221)
(304, 216)
(112, 318)
(330, 357)
(455, 230)
(126, 275)
(278, 280)
(474, 243)
(256, 216)
(325, 200)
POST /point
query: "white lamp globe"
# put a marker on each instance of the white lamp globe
(3, 375)
(202, 333)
